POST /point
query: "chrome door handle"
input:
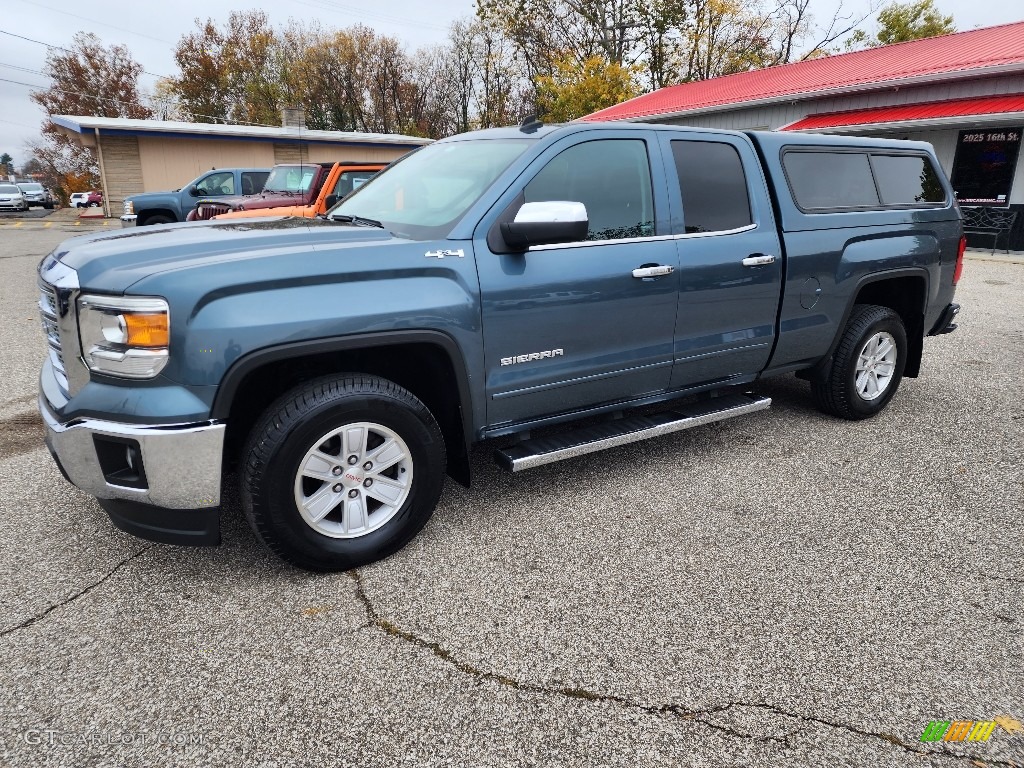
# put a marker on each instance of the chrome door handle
(657, 271)
(758, 259)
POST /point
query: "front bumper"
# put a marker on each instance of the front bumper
(129, 220)
(172, 496)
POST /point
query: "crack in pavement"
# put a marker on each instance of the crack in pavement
(375, 620)
(996, 577)
(81, 593)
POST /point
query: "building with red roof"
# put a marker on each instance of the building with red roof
(963, 93)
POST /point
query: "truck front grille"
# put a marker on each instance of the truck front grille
(49, 310)
(209, 210)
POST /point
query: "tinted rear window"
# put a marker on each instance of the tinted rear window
(713, 186)
(825, 180)
(907, 180)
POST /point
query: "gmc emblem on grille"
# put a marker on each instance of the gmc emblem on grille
(531, 357)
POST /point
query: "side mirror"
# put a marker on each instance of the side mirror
(546, 223)
(193, 190)
(331, 201)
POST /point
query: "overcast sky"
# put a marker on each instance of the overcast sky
(150, 29)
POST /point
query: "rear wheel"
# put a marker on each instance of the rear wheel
(867, 366)
(341, 472)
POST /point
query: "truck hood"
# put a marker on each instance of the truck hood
(262, 200)
(306, 211)
(111, 263)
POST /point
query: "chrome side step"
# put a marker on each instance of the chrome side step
(546, 450)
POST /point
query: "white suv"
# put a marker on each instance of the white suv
(11, 197)
(79, 200)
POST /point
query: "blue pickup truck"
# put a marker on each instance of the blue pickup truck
(168, 207)
(571, 288)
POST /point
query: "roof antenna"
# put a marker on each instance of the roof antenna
(530, 124)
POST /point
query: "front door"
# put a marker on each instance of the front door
(570, 326)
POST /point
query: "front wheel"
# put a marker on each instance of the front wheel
(342, 471)
(867, 366)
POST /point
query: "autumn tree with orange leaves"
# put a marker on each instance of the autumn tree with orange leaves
(86, 79)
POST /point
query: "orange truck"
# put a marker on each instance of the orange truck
(343, 179)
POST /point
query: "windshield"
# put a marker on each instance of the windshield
(290, 178)
(8, 188)
(425, 193)
(32, 187)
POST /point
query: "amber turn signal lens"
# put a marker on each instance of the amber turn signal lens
(147, 330)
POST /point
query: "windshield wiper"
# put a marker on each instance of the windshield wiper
(359, 220)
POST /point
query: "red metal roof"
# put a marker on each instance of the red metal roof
(985, 105)
(968, 53)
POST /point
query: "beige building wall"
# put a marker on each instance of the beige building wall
(172, 163)
(333, 153)
(121, 171)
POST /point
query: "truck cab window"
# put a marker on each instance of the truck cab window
(713, 186)
(611, 177)
(218, 184)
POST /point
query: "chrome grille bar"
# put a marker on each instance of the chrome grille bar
(48, 310)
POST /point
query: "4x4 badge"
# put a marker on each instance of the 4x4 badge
(442, 254)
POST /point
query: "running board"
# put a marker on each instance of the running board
(546, 450)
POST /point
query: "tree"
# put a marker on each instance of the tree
(87, 79)
(6, 164)
(899, 23)
(670, 41)
(230, 74)
(573, 91)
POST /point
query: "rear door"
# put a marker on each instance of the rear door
(730, 262)
(569, 326)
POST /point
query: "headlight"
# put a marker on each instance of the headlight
(124, 335)
(129, 207)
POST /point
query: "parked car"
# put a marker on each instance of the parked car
(36, 194)
(166, 207)
(91, 199)
(289, 184)
(12, 198)
(606, 283)
(342, 180)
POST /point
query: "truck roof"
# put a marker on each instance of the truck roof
(766, 139)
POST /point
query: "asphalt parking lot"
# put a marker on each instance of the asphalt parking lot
(784, 589)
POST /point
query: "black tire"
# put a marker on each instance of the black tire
(837, 392)
(295, 424)
(158, 219)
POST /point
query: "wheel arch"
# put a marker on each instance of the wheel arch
(904, 291)
(424, 362)
(148, 213)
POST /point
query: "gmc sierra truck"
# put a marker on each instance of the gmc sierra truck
(169, 207)
(572, 288)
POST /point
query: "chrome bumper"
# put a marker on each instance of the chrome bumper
(128, 220)
(181, 463)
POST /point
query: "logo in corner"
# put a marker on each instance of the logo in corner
(968, 730)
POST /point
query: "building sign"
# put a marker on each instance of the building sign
(984, 166)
